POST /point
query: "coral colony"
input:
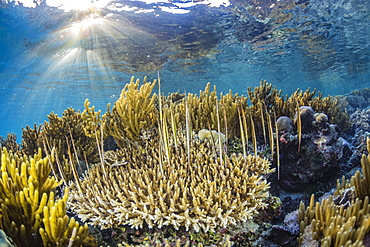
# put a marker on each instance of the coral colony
(183, 170)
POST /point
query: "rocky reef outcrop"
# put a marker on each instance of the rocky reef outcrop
(319, 152)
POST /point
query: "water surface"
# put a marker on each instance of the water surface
(54, 55)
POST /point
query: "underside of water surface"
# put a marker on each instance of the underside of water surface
(55, 54)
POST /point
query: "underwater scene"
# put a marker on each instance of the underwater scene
(162, 123)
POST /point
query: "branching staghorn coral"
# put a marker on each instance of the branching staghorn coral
(195, 189)
(225, 243)
(281, 105)
(136, 112)
(208, 110)
(133, 112)
(10, 143)
(60, 132)
(30, 213)
(342, 219)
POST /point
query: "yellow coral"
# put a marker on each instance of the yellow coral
(334, 225)
(141, 188)
(209, 111)
(342, 220)
(30, 213)
(133, 112)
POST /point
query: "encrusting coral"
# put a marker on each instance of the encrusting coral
(342, 219)
(192, 188)
(30, 212)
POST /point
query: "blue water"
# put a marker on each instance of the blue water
(52, 57)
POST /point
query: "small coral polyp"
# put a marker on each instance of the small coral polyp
(196, 189)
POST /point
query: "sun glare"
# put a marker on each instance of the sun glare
(80, 53)
(86, 24)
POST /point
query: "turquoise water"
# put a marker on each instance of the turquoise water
(54, 56)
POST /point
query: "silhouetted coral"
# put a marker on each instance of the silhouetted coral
(10, 143)
(67, 135)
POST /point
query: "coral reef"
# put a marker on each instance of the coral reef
(192, 187)
(208, 110)
(61, 133)
(160, 152)
(30, 212)
(186, 169)
(281, 105)
(320, 153)
(341, 219)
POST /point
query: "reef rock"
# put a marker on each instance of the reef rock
(312, 159)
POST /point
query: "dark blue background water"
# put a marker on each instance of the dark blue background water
(51, 58)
